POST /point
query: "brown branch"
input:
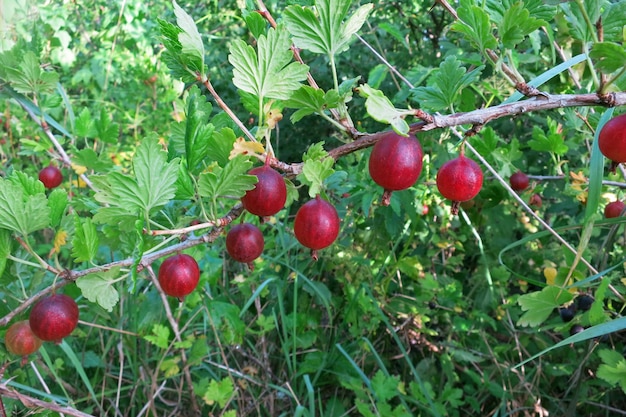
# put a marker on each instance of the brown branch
(30, 402)
(71, 276)
(483, 116)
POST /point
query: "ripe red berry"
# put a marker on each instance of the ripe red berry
(613, 209)
(244, 243)
(51, 176)
(54, 317)
(316, 225)
(179, 275)
(459, 180)
(519, 181)
(395, 163)
(612, 140)
(269, 194)
(20, 339)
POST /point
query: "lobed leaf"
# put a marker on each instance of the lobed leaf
(329, 32)
(269, 72)
(475, 25)
(98, 288)
(85, 243)
(608, 56)
(516, 24)
(540, 304)
(230, 181)
(20, 210)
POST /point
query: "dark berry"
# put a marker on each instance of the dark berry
(179, 275)
(316, 225)
(519, 181)
(268, 195)
(575, 329)
(459, 179)
(584, 302)
(567, 313)
(54, 317)
(395, 163)
(51, 176)
(244, 243)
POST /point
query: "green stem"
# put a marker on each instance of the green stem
(592, 69)
(612, 80)
(592, 27)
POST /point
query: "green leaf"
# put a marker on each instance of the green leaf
(540, 304)
(475, 25)
(230, 181)
(156, 177)
(608, 56)
(613, 22)
(21, 211)
(269, 72)
(613, 370)
(516, 24)
(185, 189)
(380, 108)
(317, 167)
(189, 38)
(385, 387)
(329, 32)
(160, 336)
(552, 142)
(255, 22)
(184, 53)
(107, 131)
(5, 248)
(445, 84)
(314, 172)
(219, 392)
(198, 130)
(30, 78)
(221, 144)
(57, 201)
(597, 314)
(85, 242)
(577, 19)
(98, 288)
(90, 159)
(84, 125)
(151, 187)
(309, 100)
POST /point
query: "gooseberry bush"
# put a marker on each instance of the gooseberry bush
(312, 208)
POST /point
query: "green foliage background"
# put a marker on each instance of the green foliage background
(412, 311)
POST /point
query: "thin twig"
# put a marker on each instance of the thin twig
(64, 156)
(178, 337)
(207, 83)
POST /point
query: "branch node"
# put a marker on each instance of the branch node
(608, 99)
(421, 114)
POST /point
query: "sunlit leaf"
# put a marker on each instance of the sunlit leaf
(98, 288)
(330, 31)
(268, 71)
